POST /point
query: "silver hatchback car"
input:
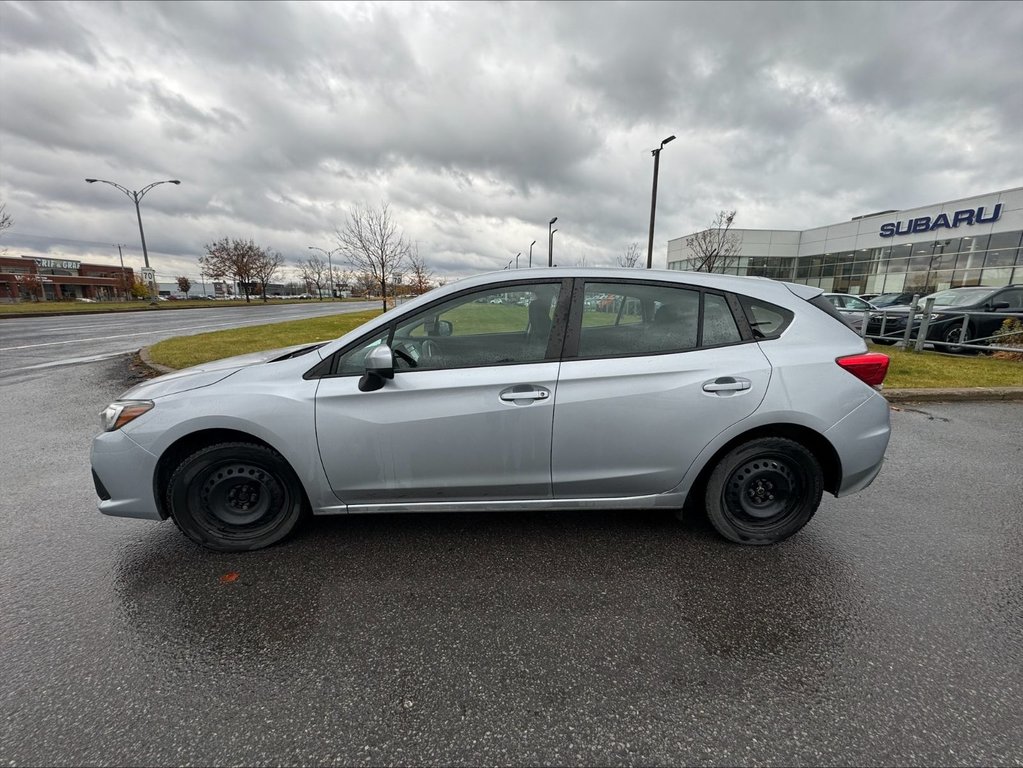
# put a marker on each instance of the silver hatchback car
(542, 388)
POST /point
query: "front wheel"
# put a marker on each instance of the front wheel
(764, 491)
(955, 338)
(235, 497)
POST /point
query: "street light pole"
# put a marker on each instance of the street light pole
(531, 253)
(124, 282)
(653, 203)
(136, 197)
(517, 259)
(330, 267)
(550, 242)
(552, 246)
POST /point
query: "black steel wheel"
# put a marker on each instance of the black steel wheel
(235, 497)
(764, 491)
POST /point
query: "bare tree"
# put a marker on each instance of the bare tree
(630, 257)
(231, 258)
(313, 272)
(374, 245)
(420, 273)
(342, 279)
(184, 285)
(715, 249)
(265, 267)
(6, 221)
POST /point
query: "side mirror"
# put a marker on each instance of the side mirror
(997, 305)
(379, 368)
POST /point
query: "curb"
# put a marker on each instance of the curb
(974, 394)
(147, 361)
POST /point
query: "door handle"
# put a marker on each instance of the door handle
(727, 384)
(524, 392)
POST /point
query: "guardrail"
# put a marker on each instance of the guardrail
(884, 326)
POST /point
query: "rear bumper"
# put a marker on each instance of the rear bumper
(123, 472)
(861, 439)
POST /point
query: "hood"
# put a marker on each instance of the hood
(208, 373)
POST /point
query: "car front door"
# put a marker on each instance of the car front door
(645, 386)
(469, 413)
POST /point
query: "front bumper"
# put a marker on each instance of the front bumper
(124, 470)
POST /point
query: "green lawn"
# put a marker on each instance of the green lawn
(908, 369)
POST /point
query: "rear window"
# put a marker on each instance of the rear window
(824, 305)
(768, 320)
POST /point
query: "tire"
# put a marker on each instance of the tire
(885, 341)
(235, 497)
(953, 336)
(764, 491)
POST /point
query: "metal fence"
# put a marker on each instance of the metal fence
(954, 330)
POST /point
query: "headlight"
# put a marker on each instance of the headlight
(122, 412)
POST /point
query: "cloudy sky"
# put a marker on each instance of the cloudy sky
(477, 122)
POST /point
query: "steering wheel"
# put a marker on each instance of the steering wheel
(429, 349)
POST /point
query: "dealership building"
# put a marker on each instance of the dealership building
(971, 241)
(32, 278)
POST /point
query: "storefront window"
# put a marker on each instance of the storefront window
(1001, 249)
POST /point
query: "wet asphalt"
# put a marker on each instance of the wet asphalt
(890, 631)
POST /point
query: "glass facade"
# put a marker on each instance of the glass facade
(924, 266)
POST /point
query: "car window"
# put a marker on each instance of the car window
(718, 322)
(354, 361)
(634, 318)
(1014, 297)
(766, 320)
(494, 326)
(835, 300)
(854, 303)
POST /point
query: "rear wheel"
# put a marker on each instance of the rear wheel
(235, 497)
(764, 491)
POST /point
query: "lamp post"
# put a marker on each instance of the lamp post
(330, 267)
(531, 253)
(136, 197)
(124, 281)
(653, 203)
(550, 242)
(517, 259)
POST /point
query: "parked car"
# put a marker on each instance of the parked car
(748, 397)
(868, 296)
(952, 308)
(851, 308)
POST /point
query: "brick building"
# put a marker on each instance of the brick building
(30, 277)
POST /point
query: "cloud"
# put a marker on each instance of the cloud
(478, 122)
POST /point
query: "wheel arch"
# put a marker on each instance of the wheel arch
(189, 444)
(815, 442)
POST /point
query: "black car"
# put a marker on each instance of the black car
(949, 312)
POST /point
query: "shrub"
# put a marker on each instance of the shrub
(1009, 335)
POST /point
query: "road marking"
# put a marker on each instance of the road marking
(69, 361)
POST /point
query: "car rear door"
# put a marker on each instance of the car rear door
(652, 372)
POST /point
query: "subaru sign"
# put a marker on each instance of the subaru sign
(969, 216)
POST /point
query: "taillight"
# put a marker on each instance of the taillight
(870, 367)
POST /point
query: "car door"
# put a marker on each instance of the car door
(652, 372)
(469, 413)
(1006, 303)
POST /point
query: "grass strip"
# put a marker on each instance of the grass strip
(913, 370)
(185, 351)
(76, 307)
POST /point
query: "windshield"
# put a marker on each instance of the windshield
(958, 297)
(887, 299)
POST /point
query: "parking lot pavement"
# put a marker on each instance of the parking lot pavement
(890, 631)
